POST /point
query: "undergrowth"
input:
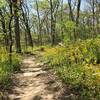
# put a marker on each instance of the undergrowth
(7, 68)
(78, 65)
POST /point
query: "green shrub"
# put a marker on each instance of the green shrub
(77, 65)
(6, 69)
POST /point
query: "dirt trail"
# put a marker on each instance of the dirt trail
(34, 83)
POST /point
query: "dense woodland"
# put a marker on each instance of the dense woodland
(67, 32)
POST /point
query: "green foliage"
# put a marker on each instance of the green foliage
(70, 27)
(6, 69)
(73, 32)
(77, 64)
(3, 3)
(1, 37)
(54, 56)
(43, 5)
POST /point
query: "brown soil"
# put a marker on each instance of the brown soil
(34, 83)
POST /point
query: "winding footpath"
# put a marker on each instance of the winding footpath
(34, 83)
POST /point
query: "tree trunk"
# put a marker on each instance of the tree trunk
(52, 23)
(62, 33)
(70, 11)
(93, 12)
(39, 25)
(17, 30)
(10, 34)
(4, 29)
(26, 22)
(78, 12)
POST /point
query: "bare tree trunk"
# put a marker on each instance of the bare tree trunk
(78, 12)
(52, 23)
(26, 22)
(70, 10)
(16, 26)
(4, 29)
(39, 25)
(10, 34)
(62, 34)
(93, 11)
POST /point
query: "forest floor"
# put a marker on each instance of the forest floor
(36, 83)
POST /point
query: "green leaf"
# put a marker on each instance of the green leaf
(3, 3)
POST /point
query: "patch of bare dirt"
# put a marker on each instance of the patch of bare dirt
(34, 83)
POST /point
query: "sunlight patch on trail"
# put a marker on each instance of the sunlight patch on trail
(34, 83)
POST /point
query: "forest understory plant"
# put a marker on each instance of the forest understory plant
(77, 65)
(7, 68)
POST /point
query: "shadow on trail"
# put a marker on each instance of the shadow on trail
(35, 83)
